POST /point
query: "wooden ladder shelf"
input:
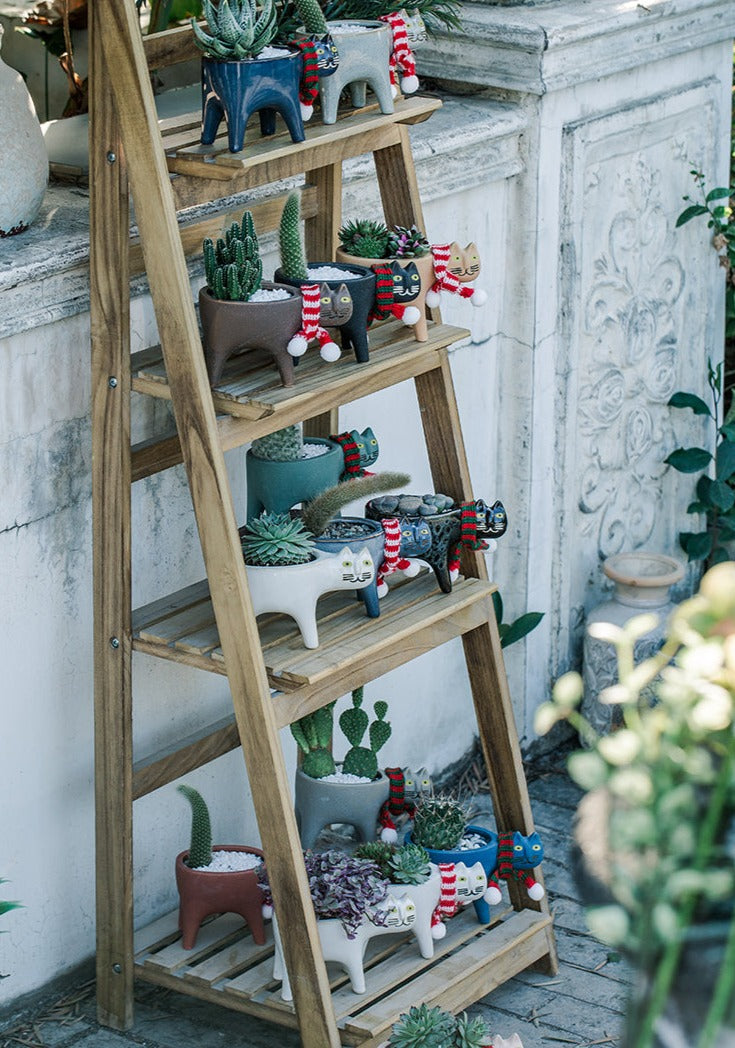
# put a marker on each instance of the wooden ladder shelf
(211, 625)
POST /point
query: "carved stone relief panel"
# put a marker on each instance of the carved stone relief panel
(639, 318)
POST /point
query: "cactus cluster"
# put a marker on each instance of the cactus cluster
(318, 513)
(424, 1027)
(291, 248)
(313, 734)
(365, 238)
(285, 445)
(237, 29)
(363, 760)
(398, 863)
(200, 848)
(233, 266)
(405, 242)
(312, 17)
(276, 539)
(439, 823)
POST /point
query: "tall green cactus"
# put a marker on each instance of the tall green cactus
(293, 257)
(359, 760)
(233, 266)
(313, 734)
(237, 29)
(312, 16)
(200, 849)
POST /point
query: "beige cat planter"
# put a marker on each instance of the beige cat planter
(454, 269)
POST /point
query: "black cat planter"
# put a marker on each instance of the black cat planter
(353, 330)
(237, 89)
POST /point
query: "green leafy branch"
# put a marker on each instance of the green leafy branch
(511, 632)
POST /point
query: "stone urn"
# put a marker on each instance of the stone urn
(318, 804)
(203, 892)
(486, 855)
(23, 160)
(425, 266)
(276, 486)
(230, 327)
(342, 532)
(642, 584)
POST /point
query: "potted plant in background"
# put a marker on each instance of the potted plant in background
(287, 573)
(352, 795)
(216, 879)
(241, 72)
(238, 310)
(655, 827)
(353, 905)
(425, 1027)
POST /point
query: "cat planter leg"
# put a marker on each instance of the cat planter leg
(369, 596)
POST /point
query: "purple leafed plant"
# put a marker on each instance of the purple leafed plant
(343, 888)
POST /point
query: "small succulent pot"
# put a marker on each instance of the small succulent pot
(340, 533)
(364, 59)
(362, 290)
(425, 266)
(425, 898)
(202, 893)
(237, 89)
(445, 530)
(319, 804)
(277, 486)
(294, 589)
(486, 855)
(229, 327)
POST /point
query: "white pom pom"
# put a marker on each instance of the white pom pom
(412, 570)
(409, 84)
(454, 574)
(479, 297)
(330, 352)
(411, 316)
(394, 91)
(297, 346)
(492, 896)
(387, 834)
(382, 588)
(307, 111)
(267, 911)
(438, 931)
(536, 892)
(432, 299)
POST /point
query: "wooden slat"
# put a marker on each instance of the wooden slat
(170, 47)
(189, 753)
(217, 933)
(171, 604)
(229, 963)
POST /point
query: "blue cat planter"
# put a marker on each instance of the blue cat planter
(236, 90)
(374, 541)
(487, 856)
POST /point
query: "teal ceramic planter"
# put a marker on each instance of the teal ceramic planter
(278, 486)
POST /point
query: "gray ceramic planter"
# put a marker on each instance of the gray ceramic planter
(319, 804)
(277, 486)
(363, 62)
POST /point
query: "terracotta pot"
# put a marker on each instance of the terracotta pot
(362, 291)
(363, 62)
(318, 804)
(277, 486)
(236, 90)
(202, 894)
(425, 266)
(229, 327)
(487, 856)
(374, 540)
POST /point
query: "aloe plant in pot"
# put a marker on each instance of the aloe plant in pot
(216, 878)
(352, 795)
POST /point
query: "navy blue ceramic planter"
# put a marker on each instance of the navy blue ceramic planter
(487, 855)
(354, 331)
(375, 543)
(236, 90)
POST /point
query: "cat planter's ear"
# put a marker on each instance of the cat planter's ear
(345, 554)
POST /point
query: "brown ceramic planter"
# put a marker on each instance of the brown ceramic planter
(229, 327)
(425, 266)
(202, 894)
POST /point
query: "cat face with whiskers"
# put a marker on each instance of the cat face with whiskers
(327, 55)
(464, 263)
(406, 282)
(335, 306)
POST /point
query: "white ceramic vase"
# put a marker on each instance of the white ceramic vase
(642, 583)
(23, 160)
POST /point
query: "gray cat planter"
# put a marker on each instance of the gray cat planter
(277, 486)
(319, 804)
(364, 59)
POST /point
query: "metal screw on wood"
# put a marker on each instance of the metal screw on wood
(112, 382)
(117, 969)
(111, 157)
(114, 642)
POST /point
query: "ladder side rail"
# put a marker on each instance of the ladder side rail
(211, 496)
(111, 466)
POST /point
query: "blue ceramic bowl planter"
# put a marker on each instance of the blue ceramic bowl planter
(237, 89)
(486, 855)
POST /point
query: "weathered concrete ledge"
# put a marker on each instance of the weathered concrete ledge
(44, 273)
(544, 47)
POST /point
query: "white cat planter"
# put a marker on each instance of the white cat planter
(348, 952)
(294, 589)
(425, 899)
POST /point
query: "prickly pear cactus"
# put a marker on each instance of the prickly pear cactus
(361, 760)
(313, 734)
(200, 848)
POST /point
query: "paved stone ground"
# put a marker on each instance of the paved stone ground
(582, 1006)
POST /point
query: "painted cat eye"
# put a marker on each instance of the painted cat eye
(345, 298)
